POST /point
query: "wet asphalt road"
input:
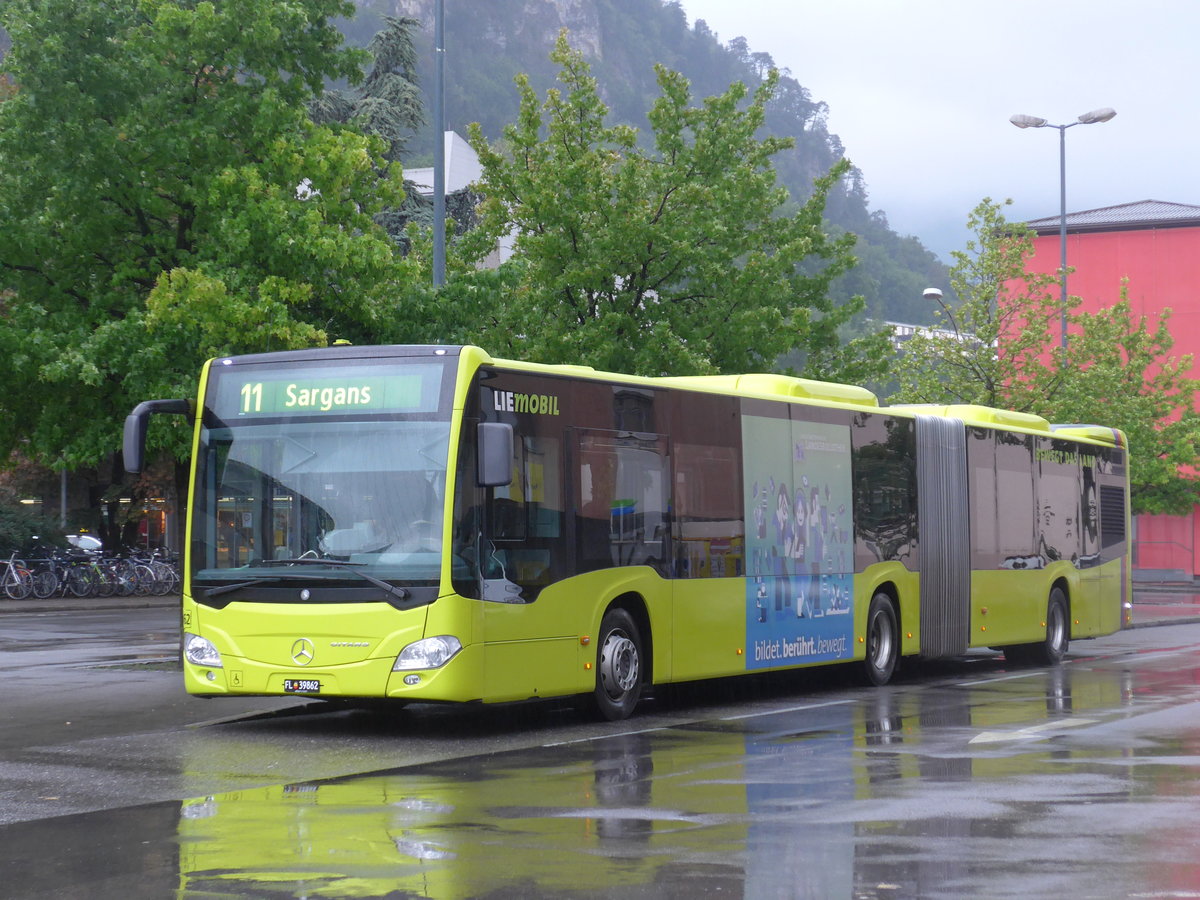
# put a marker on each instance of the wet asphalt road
(960, 779)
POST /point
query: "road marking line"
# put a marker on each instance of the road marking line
(772, 712)
(601, 737)
(998, 679)
(1033, 731)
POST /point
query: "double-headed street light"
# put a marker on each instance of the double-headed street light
(1088, 118)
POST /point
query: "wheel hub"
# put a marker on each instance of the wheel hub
(880, 642)
(618, 665)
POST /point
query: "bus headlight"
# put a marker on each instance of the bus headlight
(200, 651)
(430, 653)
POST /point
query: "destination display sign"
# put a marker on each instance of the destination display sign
(326, 391)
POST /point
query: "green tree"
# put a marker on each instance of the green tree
(165, 196)
(1000, 346)
(1126, 377)
(673, 259)
(388, 102)
(998, 299)
(500, 38)
(18, 524)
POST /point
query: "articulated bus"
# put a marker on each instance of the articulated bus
(427, 523)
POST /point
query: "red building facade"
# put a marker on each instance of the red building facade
(1156, 247)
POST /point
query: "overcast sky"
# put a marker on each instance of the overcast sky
(920, 93)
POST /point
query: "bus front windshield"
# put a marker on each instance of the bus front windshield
(323, 498)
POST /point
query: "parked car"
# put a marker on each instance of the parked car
(88, 542)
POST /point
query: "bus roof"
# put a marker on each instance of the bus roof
(785, 386)
(754, 384)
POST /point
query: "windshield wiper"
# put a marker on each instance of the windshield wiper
(208, 596)
(398, 592)
(237, 586)
(249, 583)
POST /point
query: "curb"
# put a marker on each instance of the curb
(86, 604)
(1181, 620)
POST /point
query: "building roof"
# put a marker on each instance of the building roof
(1142, 214)
(462, 168)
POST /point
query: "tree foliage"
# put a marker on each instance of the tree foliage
(1001, 347)
(18, 523)
(671, 259)
(1129, 379)
(164, 195)
(388, 102)
(998, 299)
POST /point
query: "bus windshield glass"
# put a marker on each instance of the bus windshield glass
(323, 473)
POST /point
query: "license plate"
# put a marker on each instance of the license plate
(301, 686)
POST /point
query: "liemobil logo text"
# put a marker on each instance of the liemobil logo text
(536, 404)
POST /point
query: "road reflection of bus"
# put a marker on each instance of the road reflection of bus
(831, 799)
(954, 800)
(627, 811)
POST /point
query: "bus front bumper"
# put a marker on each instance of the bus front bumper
(367, 679)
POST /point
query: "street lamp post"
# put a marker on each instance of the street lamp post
(439, 145)
(1088, 118)
(934, 294)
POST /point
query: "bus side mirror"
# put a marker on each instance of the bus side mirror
(135, 429)
(495, 454)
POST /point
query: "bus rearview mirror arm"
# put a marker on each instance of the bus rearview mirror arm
(136, 424)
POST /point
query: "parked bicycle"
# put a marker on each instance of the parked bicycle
(85, 573)
(49, 575)
(164, 570)
(17, 580)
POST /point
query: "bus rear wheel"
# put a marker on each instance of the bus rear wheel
(883, 640)
(618, 666)
(1051, 649)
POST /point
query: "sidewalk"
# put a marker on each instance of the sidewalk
(34, 606)
(1165, 604)
(1157, 604)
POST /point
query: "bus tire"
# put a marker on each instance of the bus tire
(1053, 647)
(883, 641)
(618, 666)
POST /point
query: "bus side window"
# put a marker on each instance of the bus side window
(525, 516)
(885, 502)
(507, 520)
(622, 516)
(1059, 491)
(708, 509)
(530, 506)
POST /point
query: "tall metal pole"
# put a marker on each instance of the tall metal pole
(439, 146)
(1062, 228)
(1088, 118)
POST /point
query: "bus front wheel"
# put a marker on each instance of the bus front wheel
(883, 640)
(618, 666)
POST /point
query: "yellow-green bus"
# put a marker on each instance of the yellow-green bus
(427, 523)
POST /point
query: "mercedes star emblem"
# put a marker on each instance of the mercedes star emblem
(302, 652)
